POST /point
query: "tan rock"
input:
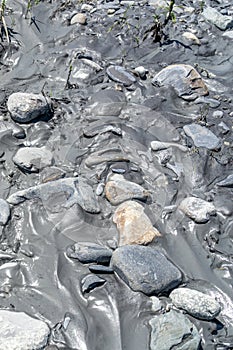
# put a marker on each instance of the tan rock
(79, 18)
(191, 37)
(133, 224)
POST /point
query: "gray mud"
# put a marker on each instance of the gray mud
(99, 127)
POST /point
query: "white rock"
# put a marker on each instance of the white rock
(25, 107)
(79, 18)
(213, 16)
(4, 212)
(33, 159)
(228, 34)
(197, 209)
(191, 37)
(18, 331)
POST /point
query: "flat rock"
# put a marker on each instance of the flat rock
(90, 282)
(4, 212)
(145, 269)
(120, 75)
(227, 182)
(158, 146)
(101, 269)
(222, 22)
(76, 190)
(186, 81)
(88, 252)
(197, 304)
(173, 330)
(25, 107)
(119, 190)
(33, 159)
(133, 224)
(18, 331)
(202, 137)
(108, 102)
(197, 209)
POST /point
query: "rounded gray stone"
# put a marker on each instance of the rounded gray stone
(145, 269)
(196, 303)
(33, 159)
(202, 137)
(4, 212)
(25, 107)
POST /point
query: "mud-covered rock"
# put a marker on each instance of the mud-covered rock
(197, 304)
(24, 107)
(88, 252)
(186, 81)
(18, 331)
(145, 269)
(202, 137)
(120, 75)
(133, 224)
(90, 282)
(215, 17)
(197, 209)
(33, 159)
(4, 212)
(173, 330)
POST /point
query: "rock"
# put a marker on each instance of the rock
(90, 282)
(158, 146)
(224, 127)
(141, 71)
(186, 81)
(227, 182)
(76, 190)
(101, 129)
(51, 174)
(218, 114)
(88, 252)
(33, 159)
(228, 34)
(191, 37)
(118, 190)
(4, 212)
(120, 75)
(16, 130)
(18, 331)
(197, 209)
(202, 137)
(197, 304)
(222, 22)
(108, 102)
(145, 269)
(79, 18)
(100, 269)
(173, 330)
(105, 155)
(25, 107)
(133, 224)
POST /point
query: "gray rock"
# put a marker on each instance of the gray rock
(218, 114)
(197, 209)
(4, 212)
(18, 331)
(228, 34)
(145, 269)
(120, 75)
(88, 252)
(118, 190)
(106, 155)
(101, 269)
(158, 146)
(186, 81)
(173, 331)
(220, 21)
(227, 182)
(133, 224)
(92, 131)
(25, 107)
(15, 129)
(79, 18)
(202, 137)
(33, 159)
(107, 102)
(90, 282)
(76, 190)
(197, 304)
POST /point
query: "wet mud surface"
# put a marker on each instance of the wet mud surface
(104, 120)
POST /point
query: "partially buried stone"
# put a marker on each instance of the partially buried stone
(18, 331)
(90, 282)
(79, 18)
(202, 137)
(197, 209)
(227, 182)
(120, 75)
(220, 21)
(118, 190)
(133, 224)
(4, 212)
(100, 269)
(186, 81)
(33, 159)
(25, 107)
(145, 269)
(87, 252)
(197, 304)
(173, 330)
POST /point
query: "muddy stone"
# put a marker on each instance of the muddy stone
(33, 159)
(119, 190)
(4, 212)
(145, 269)
(186, 81)
(202, 137)
(133, 224)
(87, 252)
(90, 282)
(197, 209)
(173, 330)
(221, 21)
(25, 107)
(197, 304)
(120, 75)
(18, 331)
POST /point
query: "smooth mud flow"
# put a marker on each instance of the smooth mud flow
(139, 97)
